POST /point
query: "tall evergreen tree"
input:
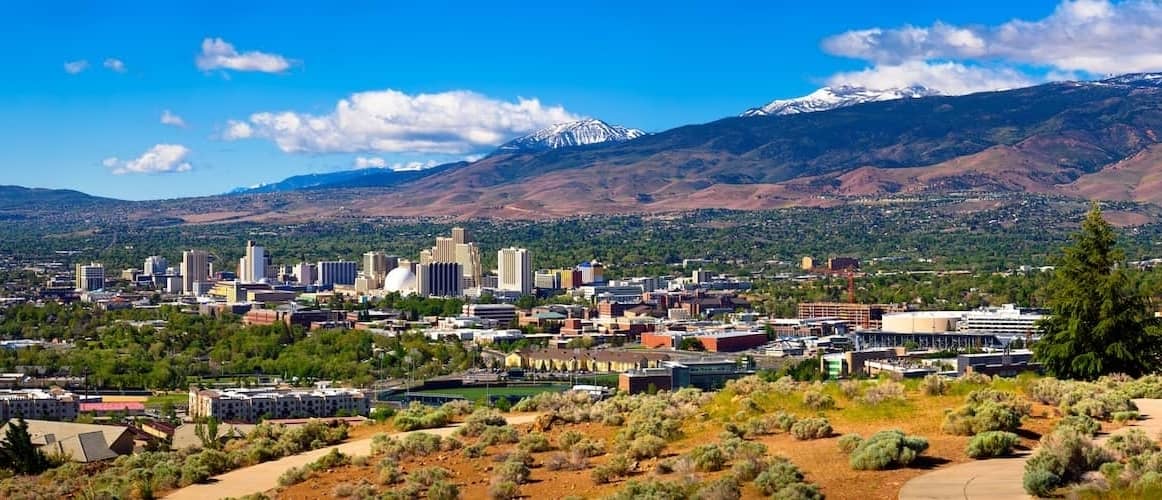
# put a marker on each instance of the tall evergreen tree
(18, 454)
(1099, 323)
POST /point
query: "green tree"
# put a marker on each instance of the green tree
(208, 433)
(17, 452)
(691, 344)
(1099, 322)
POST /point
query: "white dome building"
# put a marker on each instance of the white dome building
(400, 279)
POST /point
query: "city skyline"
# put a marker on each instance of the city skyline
(211, 103)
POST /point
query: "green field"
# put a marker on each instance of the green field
(156, 401)
(474, 393)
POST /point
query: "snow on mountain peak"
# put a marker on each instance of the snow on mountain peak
(837, 97)
(578, 133)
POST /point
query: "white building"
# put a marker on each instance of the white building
(252, 267)
(304, 273)
(514, 270)
(90, 277)
(1005, 320)
(250, 405)
(38, 404)
(155, 265)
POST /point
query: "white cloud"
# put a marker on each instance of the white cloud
(950, 78)
(456, 122)
(1093, 36)
(160, 159)
(237, 130)
(114, 64)
(220, 54)
(168, 118)
(378, 162)
(370, 162)
(74, 67)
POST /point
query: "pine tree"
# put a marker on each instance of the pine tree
(1099, 322)
(17, 452)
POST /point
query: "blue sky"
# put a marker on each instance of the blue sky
(256, 87)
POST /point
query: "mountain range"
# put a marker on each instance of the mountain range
(1096, 140)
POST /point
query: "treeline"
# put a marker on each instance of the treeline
(113, 354)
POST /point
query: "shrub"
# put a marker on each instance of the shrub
(726, 488)
(1080, 423)
(388, 472)
(428, 476)
(1040, 482)
(567, 461)
(816, 400)
(1066, 454)
(331, 460)
(849, 442)
(418, 416)
(798, 491)
(535, 442)
(849, 388)
(747, 469)
(884, 391)
(1047, 391)
(443, 490)
(499, 435)
(617, 466)
(646, 447)
(569, 438)
(986, 410)
(653, 490)
(293, 476)
(475, 450)
(513, 470)
(421, 444)
(1131, 443)
(480, 420)
(784, 421)
(737, 448)
(1122, 417)
(708, 458)
(778, 475)
(887, 449)
(811, 428)
(590, 447)
(935, 385)
(503, 490)
(343, 490)
(991, 444)
(757, 426)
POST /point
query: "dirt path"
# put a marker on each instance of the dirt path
(264, 476)
(1000, 478)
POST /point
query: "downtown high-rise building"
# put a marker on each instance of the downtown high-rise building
(331, 273)
(90, 277)
(195, 269)
(155, 265)
(439, 279)
(304, 273)
(514, 270)
(377, 264)
(252, 267)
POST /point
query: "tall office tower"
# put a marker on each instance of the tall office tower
(195, 269)
(154, 266)
(252, 267)
(468, 256)
(445, 250)
(592, 272)
(336, 273)
(439, 279)
(426, 256)
(375, 265)
(409, 264)
(392, 263)
(90, 277)
(514, 270)
(461, 236)
(304, 273)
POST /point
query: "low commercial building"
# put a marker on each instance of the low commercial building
(582, 360)
(853, 363)
(711, 341)
(1005, 363)
(503, 314)
(251, 405)
(859, 316)
(706, 374)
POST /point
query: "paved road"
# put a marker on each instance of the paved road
(264, 476)
(1000, 478)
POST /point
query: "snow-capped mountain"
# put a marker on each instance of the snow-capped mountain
(1136, 80)
(578, 133)
(837, 97)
